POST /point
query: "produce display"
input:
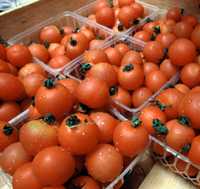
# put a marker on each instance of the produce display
(80, 106)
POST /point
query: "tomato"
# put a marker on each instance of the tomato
(33, 113)
(32, 83)
(194, 150)
(86, 182)
(168, 101)
(174, 14)
(131, 76)
(150, 27)
(167, 26)
(105, 16)
(132, 57)
(52, 47)
(104, 163)
(122, 48)
(13, 69)
(182, 51)
(58, 51)
(105, 72)
(99, 4)
(13, 157)
(4, 67)
(190, 74)
(130, 138)
(138, 9)
(179, 134)
(166, 39)
(122, 3)
(88, 33)
(106, 124)
(76, 45)
(182, 88)
(67, 30)
(39, 133)
(183, 29)
(149, 67)
(9, 110)
(153, 119)
(155, 80)
(2, 52)
(12, 87)
(153, 51)
(168, 68)
(140, 95)
(19, 55)
(53, 98)
(143, 35)
(54, 187)
(95, 44)
(93, 92)
(31, 69)
(39, 51)
(59, 61)
(190, 19)
(189, 107)
(114, 56)
(195, 36)
(50, 34)
(95, 56)
(25, 178)
(53, 166)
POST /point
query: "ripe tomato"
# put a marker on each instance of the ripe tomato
(95, 56)
(32, 83)
(168, 68)
(53, 46)
(166, 39)
(106, 16)
(190, 19)
(195, 36)
(9, 110)
(179, 134)
(150, 27)
(4, 67)
(130, 138)
(132, 57)
(182, 88)
(183, 29)
(168, 101)
(189, 107)
(31, 69)
(182, 51)
(93, 92)
(143, 35)
(122, 48)
(149, 67)
(153, 119)
(2, 52)
(114, 56)
(167, 26)
(53, 98)
(95, 44)
(19, 55)
(33, 113)
(190, 74)
(122, 3)
(25, 178)
(88, 33)
(194, 151)
(50, 34)
(104, 163)
(155, 80)
(106, 124)
(53, 166)
(105, 72)
(140, 95)
(13, 157)
(39, 133)
(59, 61)
(99, 4)
(39, 51)
(131, 76)
(86, 182)
(153, 51)
(138, 9)
(12, 87)
(58, 51)
(174, 14)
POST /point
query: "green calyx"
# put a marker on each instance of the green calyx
(73, 42)
(161, 106)
(85, 67)
(136, 122)
(3, 42)
(185, 148)
(72, 121)
(110, 2)
(149, 20)
(120, 27)
(49, 119)
(156, 29)
(128, 68)
(49, 83)
(183, 120)
(46, 44)
(83, 109)
(159, 127)
(8, 129)
(153, 37)
(113, 90)
(136, 22)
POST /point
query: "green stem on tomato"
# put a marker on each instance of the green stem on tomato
(73, 42)
(49, 119)
(136, 122)
(128, 67)
(46, 44)
(113, 90)
(49, 83)
(159, 127)
(185, 148)
(72, 121)
(8, 129)
(183, 120)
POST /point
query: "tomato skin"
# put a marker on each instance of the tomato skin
(114, 56)
(192, 20)
(130, 140)
(138, 9)
(86, 182)
(183, 29)
(4, 67)
(168, 68)
(149, 67)
(54, 187)
(53, 166)
(19, 55)
(142, 35)
(13, 157)
(122, 3)
(95, 44)
(88, 33)
(122, 48)
(149, 27)
(58, 51)
(182, 88)
(13, 69)
(2, 52)
(24, 178)
(13, 88)
(104, 163)
(174, 14)
(190, 74)
(59, 61)
(132, 57)
(166, 39)
(194, 150)
(95, 56)
(182, 51)
(99, 4)
(195, 36)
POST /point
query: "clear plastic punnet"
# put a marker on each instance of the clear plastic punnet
(66, 18)
(150, 12)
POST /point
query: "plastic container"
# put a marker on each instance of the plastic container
(66, 18)
(151, 12)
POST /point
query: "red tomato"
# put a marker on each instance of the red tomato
(194, 151)
(149, 67)
(95, 56)
(143, 35)
(99, 4)
(88, 33)
(122, 3)
(182, 88)
(2, 52)
(150, 27)
(58, 51)
(122, 48)
(4, 67)
(138, 9)
(166, 39)
(190, 19)
(132, 57)
(195, 36)
(59, 61)
(183, 29)
(53, 166)
(168, 68)
(86, 182)
(174, 14)
(114, 56)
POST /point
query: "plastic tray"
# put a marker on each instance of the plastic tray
(150, 10)
(66, 18)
